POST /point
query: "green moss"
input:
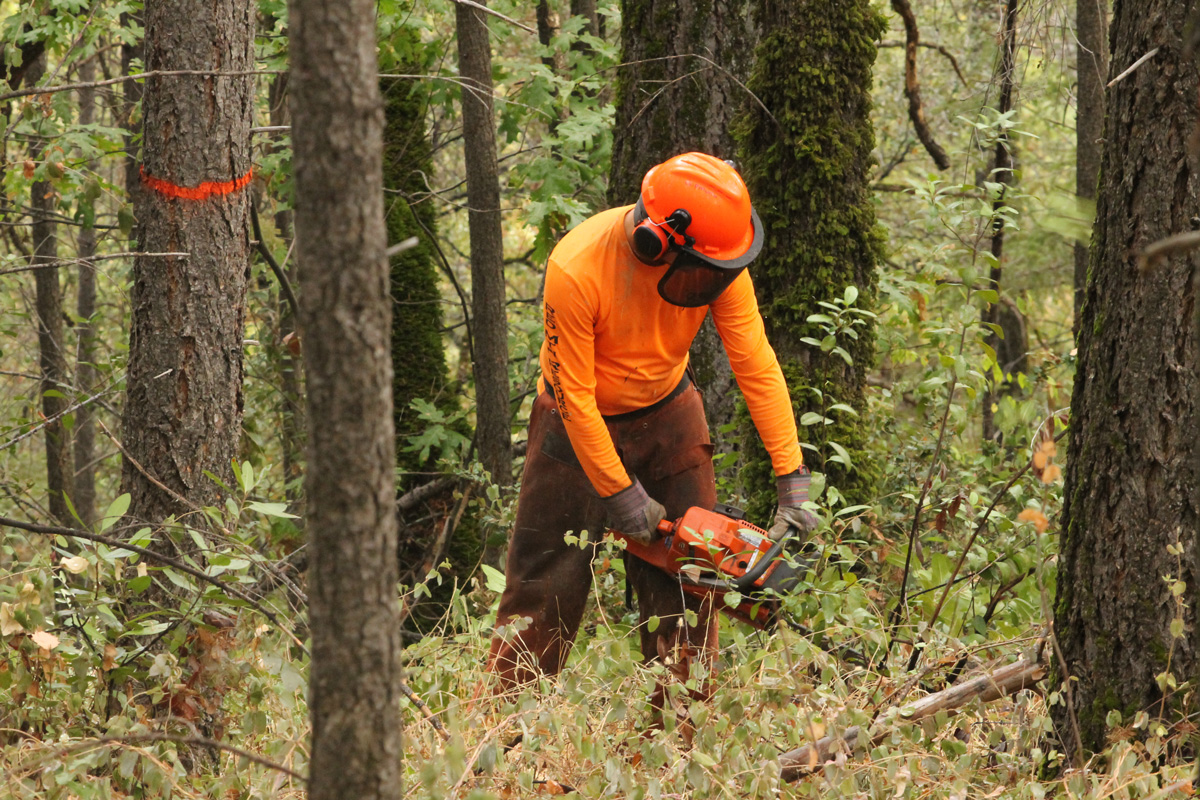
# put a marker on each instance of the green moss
(418, 354)
(806, 162)
(418, 351)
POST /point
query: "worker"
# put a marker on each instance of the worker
(617, 435)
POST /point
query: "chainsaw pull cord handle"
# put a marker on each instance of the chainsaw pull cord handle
(666, 527)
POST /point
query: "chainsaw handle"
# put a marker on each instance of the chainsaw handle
(666, 527)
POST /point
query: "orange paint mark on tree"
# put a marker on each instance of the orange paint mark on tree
(204, 191)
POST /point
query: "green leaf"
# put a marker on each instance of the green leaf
(843, 407)
(495, 580)
(115, 511)
(988, 295)
(851, 295)
(843, 454)
(653, 623)
(733, 599)
(272, 510)
(811, 418)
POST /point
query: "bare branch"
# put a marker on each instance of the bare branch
(1132, 67)
(912, 88)
(165, 73)
(59, 262)
(1155, 253)
(496, 14)
(1007, 680)
(54, 530)
(938, 47)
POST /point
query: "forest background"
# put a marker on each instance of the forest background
(942, 264)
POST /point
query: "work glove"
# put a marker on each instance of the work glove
(634, 513)
(792, 490)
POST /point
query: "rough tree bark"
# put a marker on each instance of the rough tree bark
(671, 101)
(85, 332)
(183, 410)
(806, 161)
(1091, 67)
(345, 312)
(52, 352)
(489, 325)
(1132, 460)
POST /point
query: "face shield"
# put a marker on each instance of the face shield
(691, 282)
(695, 280)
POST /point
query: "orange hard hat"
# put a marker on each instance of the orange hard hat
(701, 204)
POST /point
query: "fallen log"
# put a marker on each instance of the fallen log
(1007, 680)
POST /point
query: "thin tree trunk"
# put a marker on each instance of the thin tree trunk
(345, 311)
(52, 353)
(663, 109)
(493, 428)
(1132, 462)
(183, 409)
(85, 331)
(131, 120)
(1091, 67)
(291, 377)
(1002, 174)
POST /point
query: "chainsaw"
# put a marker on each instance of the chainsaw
(718, 551)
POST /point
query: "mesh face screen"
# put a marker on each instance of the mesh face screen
(691, 282)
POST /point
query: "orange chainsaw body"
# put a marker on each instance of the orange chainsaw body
(711, 552)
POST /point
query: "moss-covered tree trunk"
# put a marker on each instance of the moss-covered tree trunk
(806, 158)
(1132, 460)
(418, 354)
(680, 93)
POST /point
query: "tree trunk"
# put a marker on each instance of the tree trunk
(345, 311)
(662, 110)
(131, 119)
(85, 331)
(183, 411)
(1002, 173)
(806, 162)
(1132, 460)
(52, 352)
(418, 354)
(291, 366)
(1091, 67)
(489, 325)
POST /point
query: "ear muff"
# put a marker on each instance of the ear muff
(652, 240)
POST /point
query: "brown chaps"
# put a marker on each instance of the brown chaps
(667, 447)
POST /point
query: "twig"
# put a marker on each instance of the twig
(448, 530)
(912, 534)
(174, 495)
(1155, 253)
(58, 262)
(55, 418)
(912, 87)
(1115, 80)
(265, 252)
(1007, 680)
(199, 741)
(487, 10)
(975, 535)
(425, 711)
(161, 73)
(54, 530)
(940, 48)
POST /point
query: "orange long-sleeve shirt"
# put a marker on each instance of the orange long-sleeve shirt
(613, 346)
